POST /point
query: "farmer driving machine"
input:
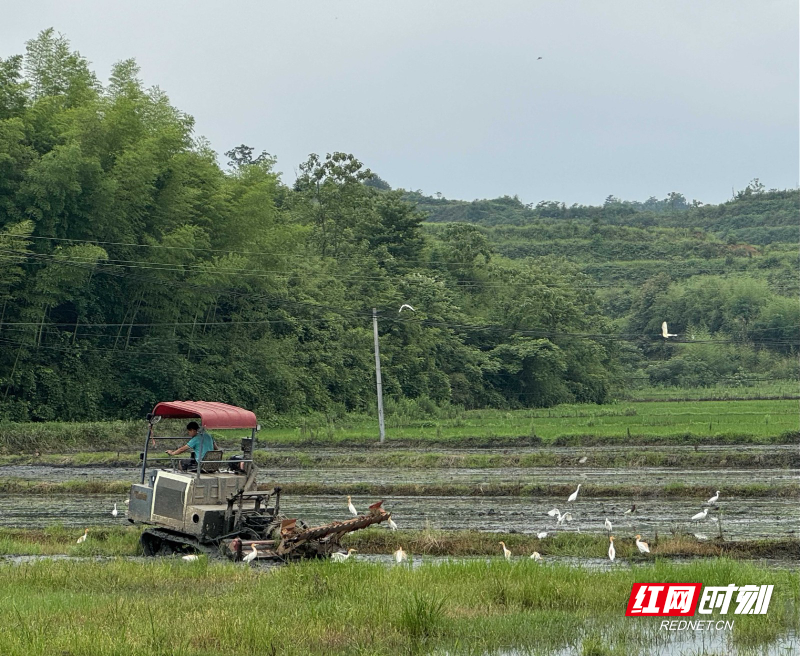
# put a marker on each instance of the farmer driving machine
(218, 509)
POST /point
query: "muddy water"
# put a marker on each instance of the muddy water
(653, 476)
(741, 518)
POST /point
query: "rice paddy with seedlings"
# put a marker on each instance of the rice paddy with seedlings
(664, 422)
(456, 486)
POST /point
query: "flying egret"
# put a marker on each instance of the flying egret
(400, 556)
(506, 552)
(114, 512)
(608, 525)
(351, 507)
(701, 515)
(190, 558)
(404, 306)
(391, 523)
(82, 539)
(340, 557)
(542, 535)
(574, 495)
(536, 556)
(665, 333)
(713, 499)
(249, 558)
(643, 548)
(612, 553)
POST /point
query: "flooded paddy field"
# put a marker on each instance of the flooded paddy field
(742, 519)
(457, 476)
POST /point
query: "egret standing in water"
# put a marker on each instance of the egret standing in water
(642, 546)
(351, 507)
(713, 499)
(340, 557)
(249, 558)
(400, 556)
(608, 525)
(574, 495)
(612, 553)
(506, 552)
(114, 512)
(700, 516)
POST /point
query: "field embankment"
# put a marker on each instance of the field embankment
(376, 490)
(683, 457)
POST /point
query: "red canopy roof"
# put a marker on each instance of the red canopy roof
(210, 413)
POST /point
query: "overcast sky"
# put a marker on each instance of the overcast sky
(630, 98)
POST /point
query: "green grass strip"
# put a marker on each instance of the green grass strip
(204, 608)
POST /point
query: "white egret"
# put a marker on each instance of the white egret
(506, 552)
(190, 558)
(630, 510)
(612, 553)
(574, 495)
(340, 557)
(542, 535)
(536, 556)
(582, 460)
(82, 539)
(400, 556)
(713, 499)
(665, 332)
(404, 306)
(608, 525)
(351, 507)
(642, 546)
(391, 523)
(114, 512)
(249, 558)
(701, 515)
(127, 502)
(566, 517)
(554, 512)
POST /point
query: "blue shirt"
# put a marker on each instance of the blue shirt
(201, 444)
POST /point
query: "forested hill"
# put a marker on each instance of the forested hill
(134, 267)
(754, 215)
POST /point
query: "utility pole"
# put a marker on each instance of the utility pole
(378, 374)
